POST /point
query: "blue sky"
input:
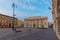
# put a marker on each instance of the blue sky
(27, 8)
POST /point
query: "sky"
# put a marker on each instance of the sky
(27, 8)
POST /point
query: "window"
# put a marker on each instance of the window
(6, 20)
(25, 22)
(37, 21)
(0, 20)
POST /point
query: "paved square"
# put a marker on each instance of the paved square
(34, 34)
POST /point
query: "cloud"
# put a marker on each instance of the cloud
(5, 7)
(2, 0)
(31, 1)
(19, 15)
(6, 12)
(28, 7)
(26, 0)
(46, 1)
(25, 4)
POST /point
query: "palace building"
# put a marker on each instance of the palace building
(7, 21)
(56, 16)
(36, 22)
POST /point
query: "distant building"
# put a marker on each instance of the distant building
(7, 21)
(20, 24)
(56, 16)
(36, 22)
(50, 24)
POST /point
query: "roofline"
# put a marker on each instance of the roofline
(7, 16)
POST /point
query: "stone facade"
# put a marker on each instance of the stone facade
(19, 24)
(56, 16)
(36, 22)
(7, 21)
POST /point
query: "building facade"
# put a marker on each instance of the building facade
(20, 24)
(7, 21)
(36, 22)
(56, 16)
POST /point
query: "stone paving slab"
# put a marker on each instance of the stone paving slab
(11, 34)
(35, 34)
(44, 34)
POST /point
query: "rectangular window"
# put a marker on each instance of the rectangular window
(0, 20)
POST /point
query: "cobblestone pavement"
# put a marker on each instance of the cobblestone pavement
(35, 34)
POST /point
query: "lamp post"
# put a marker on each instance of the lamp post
(13, 6)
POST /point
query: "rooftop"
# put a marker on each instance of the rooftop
(37, 17)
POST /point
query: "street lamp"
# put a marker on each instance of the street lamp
(13, 6)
